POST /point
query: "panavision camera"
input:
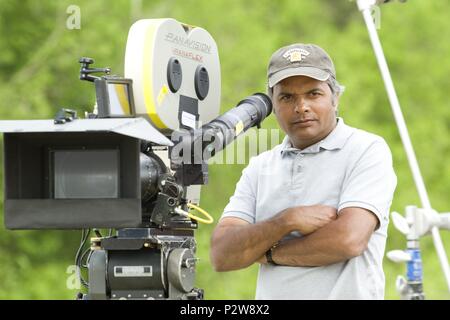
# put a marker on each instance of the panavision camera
(134, 165)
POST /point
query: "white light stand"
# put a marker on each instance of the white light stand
(366, 6)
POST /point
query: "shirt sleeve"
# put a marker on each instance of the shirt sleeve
(371, 182)
(243, 202)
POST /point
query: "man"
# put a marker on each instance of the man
(314, 210)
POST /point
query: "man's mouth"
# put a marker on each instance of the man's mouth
(303, 121)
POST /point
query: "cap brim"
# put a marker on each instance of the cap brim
(311, 72)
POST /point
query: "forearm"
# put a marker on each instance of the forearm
(238, 246)
(328, 245)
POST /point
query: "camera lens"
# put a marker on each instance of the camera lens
(151, 169)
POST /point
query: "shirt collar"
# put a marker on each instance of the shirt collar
(335, 140)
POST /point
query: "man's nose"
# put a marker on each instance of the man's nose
(301, 106)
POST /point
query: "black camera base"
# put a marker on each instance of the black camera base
(143, 264)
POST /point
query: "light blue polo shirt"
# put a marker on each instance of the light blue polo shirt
(349, 168)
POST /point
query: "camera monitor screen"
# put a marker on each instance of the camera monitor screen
(86, 174)
(119, 99)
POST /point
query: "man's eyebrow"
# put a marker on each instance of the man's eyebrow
(314, 89)
(283, 93)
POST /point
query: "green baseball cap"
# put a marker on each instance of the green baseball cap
(300, 59)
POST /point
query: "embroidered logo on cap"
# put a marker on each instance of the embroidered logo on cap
(295, 55)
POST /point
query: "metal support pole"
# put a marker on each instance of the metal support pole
(365, 8)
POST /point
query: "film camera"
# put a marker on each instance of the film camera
(134, 165)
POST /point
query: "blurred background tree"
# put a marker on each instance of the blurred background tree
(39, 75)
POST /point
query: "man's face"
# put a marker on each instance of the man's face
(304, 109)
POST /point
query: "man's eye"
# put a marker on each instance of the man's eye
(286, 98)
(315, 94)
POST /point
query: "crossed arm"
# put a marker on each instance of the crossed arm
(328, 237)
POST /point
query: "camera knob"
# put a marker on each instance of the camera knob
(86, 60)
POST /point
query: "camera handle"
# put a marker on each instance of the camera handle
(85, 71)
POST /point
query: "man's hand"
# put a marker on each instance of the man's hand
(308, 219)
(236, 244)
(345, 238)
(262, 259)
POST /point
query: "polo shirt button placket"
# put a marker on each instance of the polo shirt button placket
(297, 177)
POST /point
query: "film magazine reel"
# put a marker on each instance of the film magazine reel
(190, 93)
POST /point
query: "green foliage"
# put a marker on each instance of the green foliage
(39, 72)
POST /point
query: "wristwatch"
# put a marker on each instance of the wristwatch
(269, 255)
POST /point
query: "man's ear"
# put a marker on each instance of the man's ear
(336, 105)
(270, 94)
(335, 100)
